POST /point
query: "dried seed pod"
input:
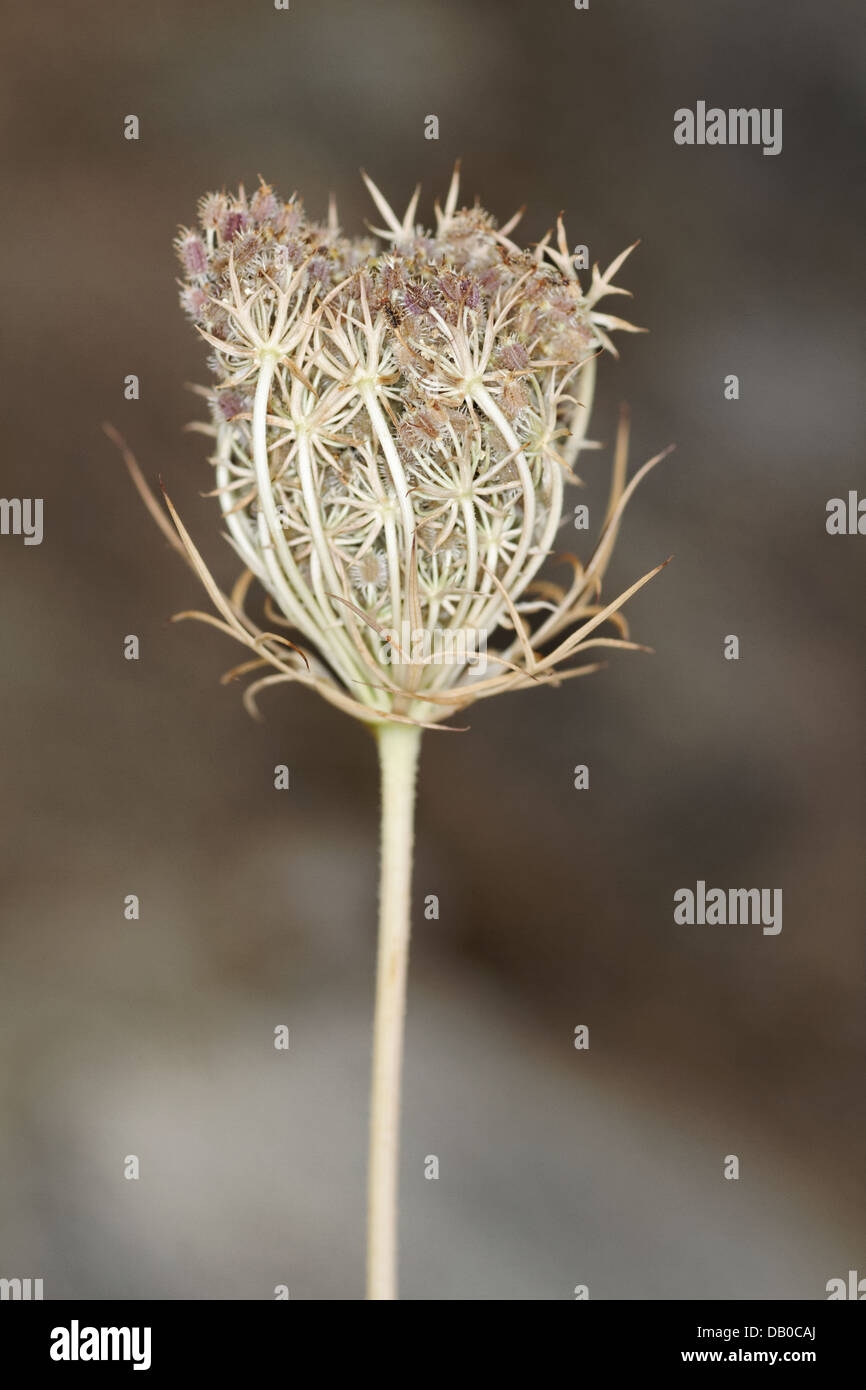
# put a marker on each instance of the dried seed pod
(396, 425)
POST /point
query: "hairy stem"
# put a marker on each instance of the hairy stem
(398, 761)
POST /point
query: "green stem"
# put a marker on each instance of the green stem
(398, 760)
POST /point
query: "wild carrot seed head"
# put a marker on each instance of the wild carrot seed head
(395, 421)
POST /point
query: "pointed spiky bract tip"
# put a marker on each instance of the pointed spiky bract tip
(395, 419)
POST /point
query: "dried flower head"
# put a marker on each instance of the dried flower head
(394, 423)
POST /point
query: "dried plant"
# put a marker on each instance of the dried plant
(394, 422)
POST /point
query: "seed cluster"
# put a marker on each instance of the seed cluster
(395, 418)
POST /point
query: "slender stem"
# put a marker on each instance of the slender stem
(398, 761)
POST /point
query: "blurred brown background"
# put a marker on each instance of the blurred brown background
(257, 907)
